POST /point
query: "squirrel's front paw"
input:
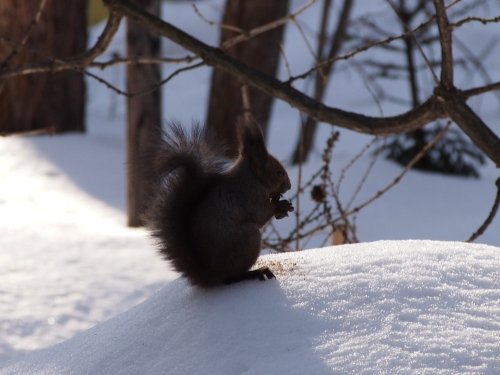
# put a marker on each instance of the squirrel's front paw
(282, 208)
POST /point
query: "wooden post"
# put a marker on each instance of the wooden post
(143, 112)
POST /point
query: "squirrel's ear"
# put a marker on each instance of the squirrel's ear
(252, 143)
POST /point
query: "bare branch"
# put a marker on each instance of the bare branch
(410, 120)
(446, 44)
(457, 109)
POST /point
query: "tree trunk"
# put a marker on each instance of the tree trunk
(52, 102)
(262, 52)
(143, 111)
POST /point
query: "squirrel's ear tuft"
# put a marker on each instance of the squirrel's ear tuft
(252, 143)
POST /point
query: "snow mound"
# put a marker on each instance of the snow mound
(383, 307)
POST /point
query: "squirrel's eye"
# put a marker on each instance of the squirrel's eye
(280, 173)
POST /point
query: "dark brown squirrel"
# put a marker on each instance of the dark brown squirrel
(207, 217)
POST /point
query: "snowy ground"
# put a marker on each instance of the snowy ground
(398, 307)
(68, 262)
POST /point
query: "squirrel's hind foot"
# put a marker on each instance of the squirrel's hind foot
(262, 274)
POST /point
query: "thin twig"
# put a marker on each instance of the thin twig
(142, 61)
(408, 167)
(140, 92)
(368, 46)
(77, 63)
(218, 24)
(410, 34)
(490, 217)
(304, 37)
(246, 35)
(464, 21)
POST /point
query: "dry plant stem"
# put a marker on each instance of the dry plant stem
(380, 192)
(363, 180)
(353, 161)
(490, 217)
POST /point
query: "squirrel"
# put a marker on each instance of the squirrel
(206, 215)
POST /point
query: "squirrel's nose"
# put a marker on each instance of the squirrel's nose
(287, 185)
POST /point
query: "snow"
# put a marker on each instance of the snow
(379, 307)
(72, 272)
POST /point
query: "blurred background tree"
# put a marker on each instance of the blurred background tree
(51, 102)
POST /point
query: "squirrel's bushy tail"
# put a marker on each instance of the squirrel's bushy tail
(184, 165)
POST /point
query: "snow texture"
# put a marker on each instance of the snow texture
(405, 307)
